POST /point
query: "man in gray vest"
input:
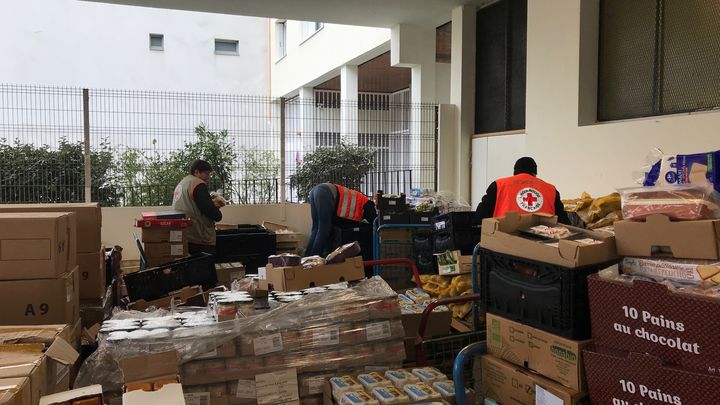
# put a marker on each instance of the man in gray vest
(192, 197)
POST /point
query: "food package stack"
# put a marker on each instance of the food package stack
(594, 213)
(649, 320)
(164, 240)
(439, 286)
(393, 387)
(302, 342)
(536, 341)
(286, 240)
(88, 249)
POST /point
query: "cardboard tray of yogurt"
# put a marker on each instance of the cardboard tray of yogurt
(503, 235)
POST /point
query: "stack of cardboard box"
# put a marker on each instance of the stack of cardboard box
(537, 310)
(39, 285)
(164, 241)
(656, 342)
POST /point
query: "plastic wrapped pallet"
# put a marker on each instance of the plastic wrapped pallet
(340, 331)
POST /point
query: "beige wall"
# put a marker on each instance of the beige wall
(118, 222)
(599, 157)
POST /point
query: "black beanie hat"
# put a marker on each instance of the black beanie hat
(525, 165)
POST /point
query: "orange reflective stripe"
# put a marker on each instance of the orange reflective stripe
(350, 204)
(525, 194)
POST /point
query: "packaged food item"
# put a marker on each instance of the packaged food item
(285, 260)
(673, 269)
(421, 392)
(418, 295)
(389, 395)
(550, 232)
(446, 389)
(343, 252)
(400, 378)
(696, 168)
(373, 380)
(679, 203)
(312, 261)
(356, 398)
(344, 384)
(429, 375)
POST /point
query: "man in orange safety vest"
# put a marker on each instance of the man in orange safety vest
(333, 204)
(524, 193)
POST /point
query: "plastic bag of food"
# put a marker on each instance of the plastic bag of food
(696, 169)
(679, 203)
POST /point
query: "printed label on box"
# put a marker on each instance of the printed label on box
(176, 236)
(392, 202)
(262, 273)
(543, 397)
(278, 387)
(267, 344)
(211, 350)
(176, 250)
(378, 330)
(246, 389)
(315, 385)
(328, 336)
(197, 398)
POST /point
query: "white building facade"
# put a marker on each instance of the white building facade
(84, 44)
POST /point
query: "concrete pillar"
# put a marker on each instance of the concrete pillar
(414, 47)
(349, 104)
(462, 93)
(307, 120)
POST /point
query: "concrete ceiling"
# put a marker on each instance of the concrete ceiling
(372, 13)
(375, 76)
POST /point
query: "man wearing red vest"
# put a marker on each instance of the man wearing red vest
(333, 204)
(523, 193)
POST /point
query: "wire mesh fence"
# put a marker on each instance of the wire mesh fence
(263, 150)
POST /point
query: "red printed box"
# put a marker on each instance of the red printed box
(646, 317)
(620, 378)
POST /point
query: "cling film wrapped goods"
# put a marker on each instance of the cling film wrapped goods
(317, 336)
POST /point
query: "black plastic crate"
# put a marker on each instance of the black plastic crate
(244, 241)
(361, 233)
(545, 296)
(422, 217)
(423, 243)
(394, 218)
(391, 204)
(464, 241)
(426, 264)
(157, 282)
(456, 221)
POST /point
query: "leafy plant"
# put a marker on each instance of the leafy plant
(260, 170)
(342, 164)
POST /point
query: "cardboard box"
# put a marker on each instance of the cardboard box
(646, 317)
(47, 372)
(169, 394)
(166, 249)
(685, 239)
(156, 261)
(228, 272)
(500, 235)
(297, 278)
(40, 302)
(438, 324)
(180, 298)
(551, 356)
(15, 391)
(36, 245)
(509, 384)
(158, 235)
(42, 334)
(616, 377)
(462, 264)
(61, 398)
(283, 234)
(89, 220)
(92, 274)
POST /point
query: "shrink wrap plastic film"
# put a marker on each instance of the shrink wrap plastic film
(355, 329)
(679, 203)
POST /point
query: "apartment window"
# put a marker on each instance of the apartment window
(280, 39)
(309, 28)
(500, 67)
(226, 47)
(157, 42)
(658, 57)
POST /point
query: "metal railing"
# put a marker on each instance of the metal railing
(131, 147)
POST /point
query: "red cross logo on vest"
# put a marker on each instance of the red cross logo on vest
(529, 200)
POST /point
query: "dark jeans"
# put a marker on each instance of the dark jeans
(322, 209)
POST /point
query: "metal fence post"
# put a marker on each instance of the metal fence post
(282, 152)
(86, 143)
